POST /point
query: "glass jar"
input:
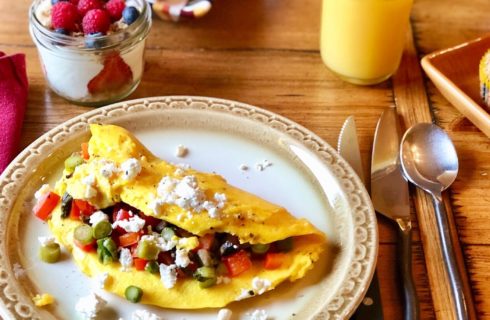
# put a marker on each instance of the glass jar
(362, 41)
(92, 70)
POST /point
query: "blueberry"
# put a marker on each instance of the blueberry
(130, 14)
(53, 2)
(61, 31)
(91, 42)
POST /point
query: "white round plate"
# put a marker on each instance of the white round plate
(307, 177)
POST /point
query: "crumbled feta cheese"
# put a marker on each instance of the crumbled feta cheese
(243, 167)
(101, 280)
(213, 213)
(126, 260)
(211, 208)
(97, 217)
(108, 169)
(130, 168)
(186, 194)
(182, 258)
(90, 306)
(44, 190)
(161, 243)
(260, 285)
(168, 275)
(144, 315)
(220, 197)
(181, 151)
(224, 314)
(259, 315)
(205, 257)
(166, 186)
(222, 279)
(244, 294)
(89, 182)
(133, 224)
(156, 205)
(18, 270)
(46, 241)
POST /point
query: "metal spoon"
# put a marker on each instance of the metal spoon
(429, 161)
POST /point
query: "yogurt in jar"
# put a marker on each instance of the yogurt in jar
(87, 69)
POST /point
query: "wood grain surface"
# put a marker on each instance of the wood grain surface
(265, 52)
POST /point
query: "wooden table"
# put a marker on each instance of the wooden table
(265, 53)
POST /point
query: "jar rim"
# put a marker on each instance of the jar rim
(137, 30)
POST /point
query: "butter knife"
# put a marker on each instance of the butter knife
(389, 193)
(348, 147)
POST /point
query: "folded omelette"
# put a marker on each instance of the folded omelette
(186, 239)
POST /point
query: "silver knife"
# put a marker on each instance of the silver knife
(389, 193)
(348, 147)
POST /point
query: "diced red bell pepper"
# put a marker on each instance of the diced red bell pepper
(274, 260)
(139, 263)
(84, 207)
(85, 153)
(129, 239)
(85, 247)
(46, 205)
(120, 214)
(237, 263)
(74, 212)
(206, 242)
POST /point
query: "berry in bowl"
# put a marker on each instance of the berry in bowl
(91, 50)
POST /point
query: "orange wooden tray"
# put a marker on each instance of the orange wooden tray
(454, 71)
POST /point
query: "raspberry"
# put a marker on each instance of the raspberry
(115, 8)
(85, 5)
(64, 15)
(96, 20)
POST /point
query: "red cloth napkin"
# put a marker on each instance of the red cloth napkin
(13, 100)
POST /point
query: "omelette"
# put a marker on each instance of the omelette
(167, 235)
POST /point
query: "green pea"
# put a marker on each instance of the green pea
(83, 234)
(50, 253)
(133, 294)
(147, 250)
(102, 229)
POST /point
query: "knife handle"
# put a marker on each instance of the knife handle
(450, 260)
(404, 259)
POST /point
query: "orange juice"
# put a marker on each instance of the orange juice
(362, 40)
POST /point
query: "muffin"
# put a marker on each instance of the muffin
(485, 78)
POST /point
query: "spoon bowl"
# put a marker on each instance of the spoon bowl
(428, 157)
(429, 161)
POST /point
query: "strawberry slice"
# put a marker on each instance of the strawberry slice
(115, 75)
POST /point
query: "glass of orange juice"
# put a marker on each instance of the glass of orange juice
(362, 40)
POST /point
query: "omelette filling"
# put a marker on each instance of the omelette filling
(123, 234)
(166, 234)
